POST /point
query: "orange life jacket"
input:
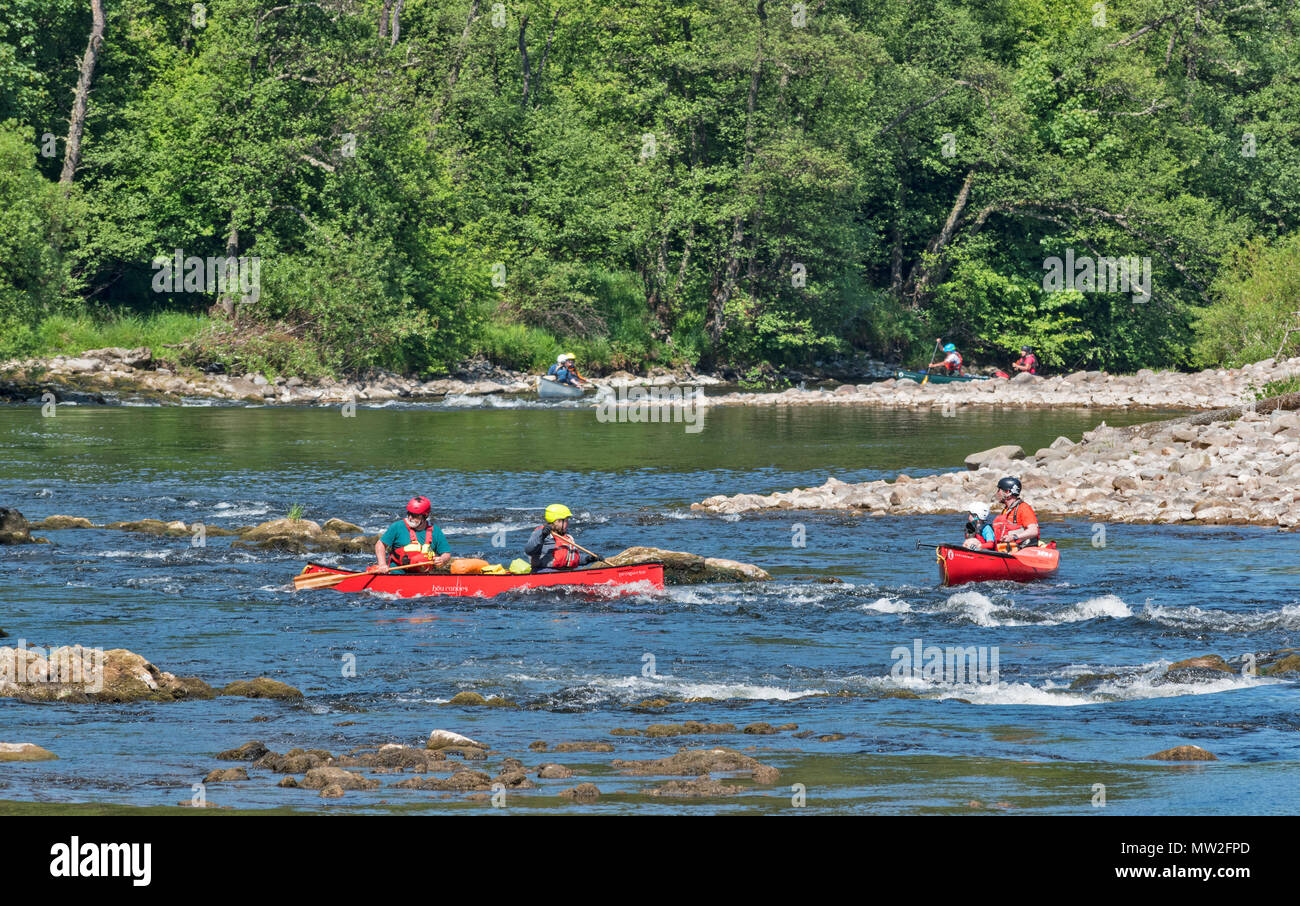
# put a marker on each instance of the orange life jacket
(1006, 521)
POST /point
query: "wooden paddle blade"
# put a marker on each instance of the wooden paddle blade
(318, 580)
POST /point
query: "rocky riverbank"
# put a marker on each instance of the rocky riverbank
(99, 374)
(1241, 469)
(1211, 389)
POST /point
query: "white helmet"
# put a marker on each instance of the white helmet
(978, 510)
(561, 359)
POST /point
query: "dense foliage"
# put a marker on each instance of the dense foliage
(710, 181)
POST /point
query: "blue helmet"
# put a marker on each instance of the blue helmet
(950, 348)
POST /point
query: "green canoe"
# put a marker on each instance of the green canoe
(919, 376)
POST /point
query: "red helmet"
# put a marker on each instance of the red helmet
(419, 506)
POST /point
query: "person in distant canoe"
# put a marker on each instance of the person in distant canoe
(979, 530)
(1017, 524)
(551, 548)
(952, 361)
(1027, 363)
(413, 542)
(566, 371)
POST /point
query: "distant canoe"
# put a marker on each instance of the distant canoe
(919, 376)
(549, 388)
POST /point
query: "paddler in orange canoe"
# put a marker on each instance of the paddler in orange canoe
(551, 548)
(412, 542)
(1017, 524)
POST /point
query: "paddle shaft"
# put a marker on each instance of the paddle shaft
(927, 544)
(568, 540)
(932, 357)
(328, 580)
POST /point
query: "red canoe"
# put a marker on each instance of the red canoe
(652, 574)
(959, 565)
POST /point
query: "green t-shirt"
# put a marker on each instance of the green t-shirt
(399, 535)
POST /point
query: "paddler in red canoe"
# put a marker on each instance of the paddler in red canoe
(551, 548)
(1017, 524)
(979, 528)
(412, 542)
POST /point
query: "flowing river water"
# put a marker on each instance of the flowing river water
(793, 651)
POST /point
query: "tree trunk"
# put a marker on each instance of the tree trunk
(397, 22)
(225, 304)
(926, 275)
(72, 154)
(384, 15)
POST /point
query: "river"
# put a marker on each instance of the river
(792, 651)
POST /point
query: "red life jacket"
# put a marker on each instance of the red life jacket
(1030, 362)
(565, 555)
(413, 552)
(954, 366)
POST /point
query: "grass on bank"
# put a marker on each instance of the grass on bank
(74, 334)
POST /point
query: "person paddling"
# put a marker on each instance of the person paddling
(979, 530)
(1017, 524)
(567, 373)
(412, 542)
(551, 548)
(1027, 363)
(952, 361)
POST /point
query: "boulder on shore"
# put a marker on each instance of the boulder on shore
(682, 568)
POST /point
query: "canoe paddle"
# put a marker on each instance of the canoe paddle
(568, 540)
(329, 580)
(929, 544)
(926, 379)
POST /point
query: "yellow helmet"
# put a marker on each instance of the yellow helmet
(569, 355)
(556, 512)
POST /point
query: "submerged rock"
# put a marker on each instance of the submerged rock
(324, 777)
(249, 751)
(262, 687)
(226, 775)
(463, 781)
(553, 771)
(583, 747)
(1204, 662)
(694, 762)
(14, 528)
(583, 792)
(1182, 753)
(702, 787)
(295, 761)
(682, 568)
(55, 523)
(395, 757)
(25, 751)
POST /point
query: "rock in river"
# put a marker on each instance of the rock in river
(24, 751)
(682, 568)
